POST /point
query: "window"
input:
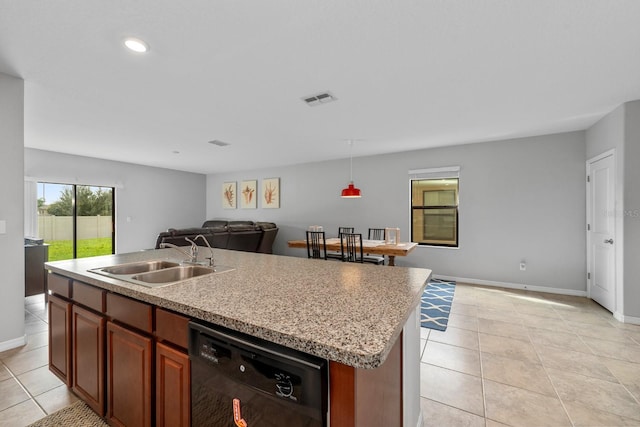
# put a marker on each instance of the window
(76, 221)
(434, 206)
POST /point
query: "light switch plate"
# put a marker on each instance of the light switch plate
(3, 226)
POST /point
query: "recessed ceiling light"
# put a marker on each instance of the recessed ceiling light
(136, 45)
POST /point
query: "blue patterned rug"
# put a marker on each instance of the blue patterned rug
(436, 304)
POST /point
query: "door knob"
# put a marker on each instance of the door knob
(609, 241)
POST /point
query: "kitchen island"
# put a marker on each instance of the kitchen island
(349, 314)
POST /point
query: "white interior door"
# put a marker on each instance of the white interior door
(601, 250)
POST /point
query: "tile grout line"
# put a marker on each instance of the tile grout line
(31, 397)
(555, 390)
(484, 395)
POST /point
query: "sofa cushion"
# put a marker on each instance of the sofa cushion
(215, 223)
(242, 227)
(188, 231)
(237, 223)
(266, 225)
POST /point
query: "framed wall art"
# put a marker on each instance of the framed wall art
(229, 195)
(248, 194)
(271, 193)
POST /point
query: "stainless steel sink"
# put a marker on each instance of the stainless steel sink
(139, 267)
(173, 274)
(157, 273)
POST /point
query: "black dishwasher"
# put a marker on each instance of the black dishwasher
(241, 381)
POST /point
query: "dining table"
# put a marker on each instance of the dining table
(375, 247)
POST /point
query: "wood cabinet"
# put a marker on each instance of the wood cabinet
(173, 387)
(173, 370)
(60, 338)
(125, 358)
(88, 357)
(367, 397)
(129, 376)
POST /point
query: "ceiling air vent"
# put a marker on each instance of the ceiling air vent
(320, 98)
(219, 143)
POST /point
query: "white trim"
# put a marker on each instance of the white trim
(411, 365)
(617, 281)
(14, 343)
(435, 173)
(521, 286)
(601, 156)
(65, 181)
(425, 246)
(626, 319)
(420, 422)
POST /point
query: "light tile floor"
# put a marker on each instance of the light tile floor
(28, 391)
(508, 358)
(518, 358)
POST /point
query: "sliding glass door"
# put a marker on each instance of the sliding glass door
(77, 221)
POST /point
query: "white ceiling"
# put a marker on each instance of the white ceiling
(407, 75)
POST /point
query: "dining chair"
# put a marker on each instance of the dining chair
(351, 247)
(335, 254)
(316, 245)
(346, 230)
(375, 234)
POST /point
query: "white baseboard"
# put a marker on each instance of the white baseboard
(16, 342)
(520, 286)
(626, 319)
(617, 315)
(420, 422)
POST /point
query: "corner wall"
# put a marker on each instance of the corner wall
(521, 199)
(631, 213)
(11, 211)
(620, 130)
(148, 200)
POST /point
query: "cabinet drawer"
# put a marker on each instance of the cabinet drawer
(59, 285)
(89, 296)
(172, 327)
(130, 312)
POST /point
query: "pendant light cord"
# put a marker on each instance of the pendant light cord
(350, 160)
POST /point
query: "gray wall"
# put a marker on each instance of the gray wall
(520, 199)
(11, 211)
(148, 200)
(631, 211)
(620, 130)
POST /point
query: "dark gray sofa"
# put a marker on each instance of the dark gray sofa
(245, 236)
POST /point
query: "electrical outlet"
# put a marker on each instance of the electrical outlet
(523, 266)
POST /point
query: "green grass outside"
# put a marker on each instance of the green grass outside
(63, 249)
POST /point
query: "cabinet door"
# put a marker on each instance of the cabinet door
(173, 387)
(88, 357)
(129, 364)
(60, 338)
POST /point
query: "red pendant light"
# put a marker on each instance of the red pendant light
(351, 192)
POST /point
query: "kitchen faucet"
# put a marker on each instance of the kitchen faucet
(194, 247)
(192, 254)
(193, 251)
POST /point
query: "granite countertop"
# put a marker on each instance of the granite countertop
(345, 312)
